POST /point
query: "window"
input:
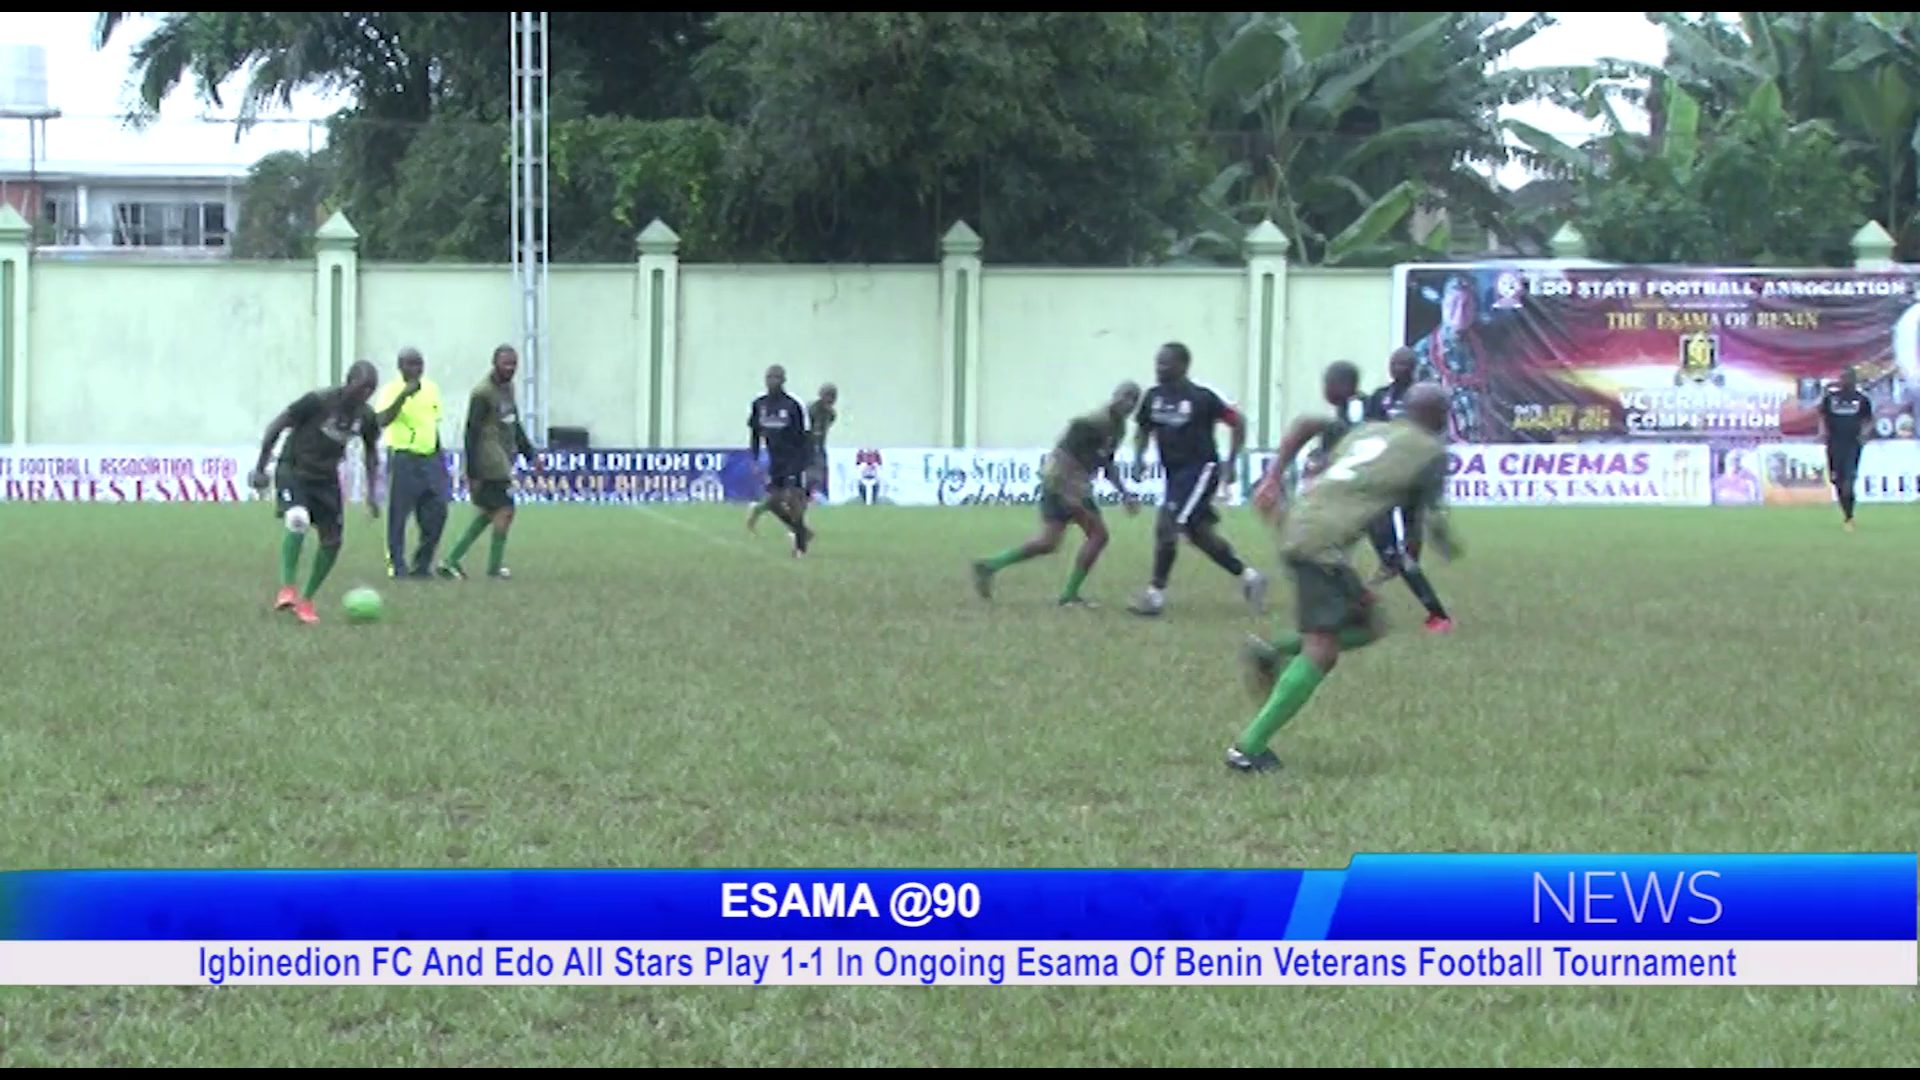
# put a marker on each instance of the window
(158, 224)
(60, 219)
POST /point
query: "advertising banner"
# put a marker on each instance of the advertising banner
(612, 476)
(934, 476)
(1566, 352)
(1795, 474)
(118, 474)
(1593, 474)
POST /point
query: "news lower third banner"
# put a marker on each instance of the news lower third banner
(1461, 920)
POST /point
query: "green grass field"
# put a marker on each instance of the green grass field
(655, 688)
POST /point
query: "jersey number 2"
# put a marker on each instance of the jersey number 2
(1344, 467)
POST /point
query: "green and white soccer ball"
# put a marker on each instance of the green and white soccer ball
(364, 605)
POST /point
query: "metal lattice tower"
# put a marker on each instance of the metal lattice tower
(528, 121)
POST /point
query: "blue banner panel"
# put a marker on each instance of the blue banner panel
(631, 476)
(1381, 898)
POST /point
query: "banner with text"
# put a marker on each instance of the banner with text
(1577, 352)
(1461, 920)
(1597, 474)
(933, 476)
(120, 474)
(613, 476)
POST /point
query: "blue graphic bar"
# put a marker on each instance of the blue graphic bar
(1377, 898)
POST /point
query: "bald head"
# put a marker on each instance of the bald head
(412, 364)
(362, 378)
(1400, 365)
(1426, 405)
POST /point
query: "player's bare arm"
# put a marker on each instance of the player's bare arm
(387, 415)
(1237, 424)
(258, 478)
(367, 441)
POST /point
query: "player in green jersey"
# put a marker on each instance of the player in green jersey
(1085, 449)
(1373, 469)
(318, 427)
(494, 439)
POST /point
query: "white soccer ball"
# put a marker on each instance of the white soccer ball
(298, 519)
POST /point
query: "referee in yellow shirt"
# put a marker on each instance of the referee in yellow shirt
(417, 481)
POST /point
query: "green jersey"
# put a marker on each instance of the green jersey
(1373, 469)
(323, 425)
(820, 417)
(1084, 448)
(494, 433)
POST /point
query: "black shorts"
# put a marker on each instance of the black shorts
(785, 475)
(1190, 490)
(1396, 536)
(489, 496)
(321, 498)
(1843, 462)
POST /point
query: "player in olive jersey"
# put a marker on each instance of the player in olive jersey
(1340, 386)
(1066, 495)
(494, 438)
(1375, 468)
(318, 428)
(820, 418)
(1396, 536)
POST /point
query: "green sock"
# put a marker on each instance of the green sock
(1007, 558)
(467, 539)
(497, 552)
(1290, 693)
(290, 558)
(1074, 581)
(322, 566)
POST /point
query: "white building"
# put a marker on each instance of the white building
(171, 210)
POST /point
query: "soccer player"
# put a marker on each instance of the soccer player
(777, 421)
(1180, 415)
(417, 482)
(1396, 536)
(318, 427)
(1374, 468)
(1846, 418)
(1066, 495)
(820, 418)
(494, 436)
(1340, 387)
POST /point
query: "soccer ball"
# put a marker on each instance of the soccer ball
(363, 605)
(297, 519)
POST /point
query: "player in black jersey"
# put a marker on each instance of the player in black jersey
(1846, 417)
(1396, 536)
(1180, 414)
(777, 420)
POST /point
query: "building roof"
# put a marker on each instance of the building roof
(56, 171)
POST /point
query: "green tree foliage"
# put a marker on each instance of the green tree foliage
(1745, 186)
(1348, 121)
(282, 205)
(1063, 136)
(1856, 72)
